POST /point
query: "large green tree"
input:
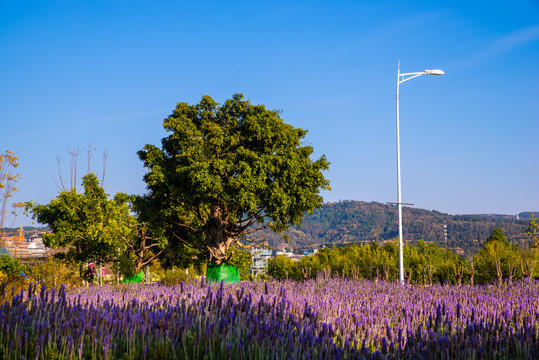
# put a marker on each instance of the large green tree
(225, 174)
(88, 225)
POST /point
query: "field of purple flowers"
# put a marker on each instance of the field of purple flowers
(326, 318)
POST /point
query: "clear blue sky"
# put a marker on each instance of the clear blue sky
(107, 73)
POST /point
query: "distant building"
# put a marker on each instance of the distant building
(21, 247)
(259, 260)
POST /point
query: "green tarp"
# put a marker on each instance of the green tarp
(223, 272)
(133, 279)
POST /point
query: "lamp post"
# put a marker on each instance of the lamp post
(400, 79)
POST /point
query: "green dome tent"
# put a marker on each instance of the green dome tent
(134, 279)
(224, 272)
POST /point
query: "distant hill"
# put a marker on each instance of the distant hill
(528, 214)
(25, 228)
(357, 221)
(522, 215)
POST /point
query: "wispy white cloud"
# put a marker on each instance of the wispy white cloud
(500, 46)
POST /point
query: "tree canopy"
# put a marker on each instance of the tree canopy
(227, 172)
(498, 259)
(532, 231)
(86, 226)
(424, 263)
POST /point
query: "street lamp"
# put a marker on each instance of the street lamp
(400, 79)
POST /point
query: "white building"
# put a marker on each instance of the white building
(259, 260)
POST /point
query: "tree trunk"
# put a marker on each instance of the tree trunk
(459, 273)
(408, 275)
(386, 271)
(217, 240)
(499, 272)
(529, 271)
(511, 268)
(139, 264)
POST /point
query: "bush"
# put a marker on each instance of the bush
(11, 285)
(241, 260)
(282, 267)
(10, 266)
(54, 272)
(175, 277)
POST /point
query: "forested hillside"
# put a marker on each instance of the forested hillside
(356, 221)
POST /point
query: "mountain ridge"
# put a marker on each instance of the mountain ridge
(347, 221)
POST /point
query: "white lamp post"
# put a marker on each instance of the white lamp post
(400, 79)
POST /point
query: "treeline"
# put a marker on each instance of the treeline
(356, 221)
(497, 261)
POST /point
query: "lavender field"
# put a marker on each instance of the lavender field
(326, 318)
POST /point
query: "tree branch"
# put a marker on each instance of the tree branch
(249, 246)
(180, 224)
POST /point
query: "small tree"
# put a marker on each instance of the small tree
(85, 226)
(8, 180)
(458, 270)
(281, 267)
(532, 231)
(225, 174)
(497, 259)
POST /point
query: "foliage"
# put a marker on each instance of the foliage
(177, 276)
(498, 259)
(424, 263)
(280, 267)
(157, 272)
(141, 249)
(329, 318)
(241, 259)
(54, 272)
(498, 236)
(11, 285)
(126, 264)
(223, 173)
(533, 227)
(10, 266)
(85, 226)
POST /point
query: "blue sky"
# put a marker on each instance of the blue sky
(107, 73)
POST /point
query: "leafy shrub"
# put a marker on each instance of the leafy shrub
(11, 285)
(10, 266)
(241, 259)
(175, 277)
(54, 272)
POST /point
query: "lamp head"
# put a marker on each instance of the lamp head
(433, 72)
